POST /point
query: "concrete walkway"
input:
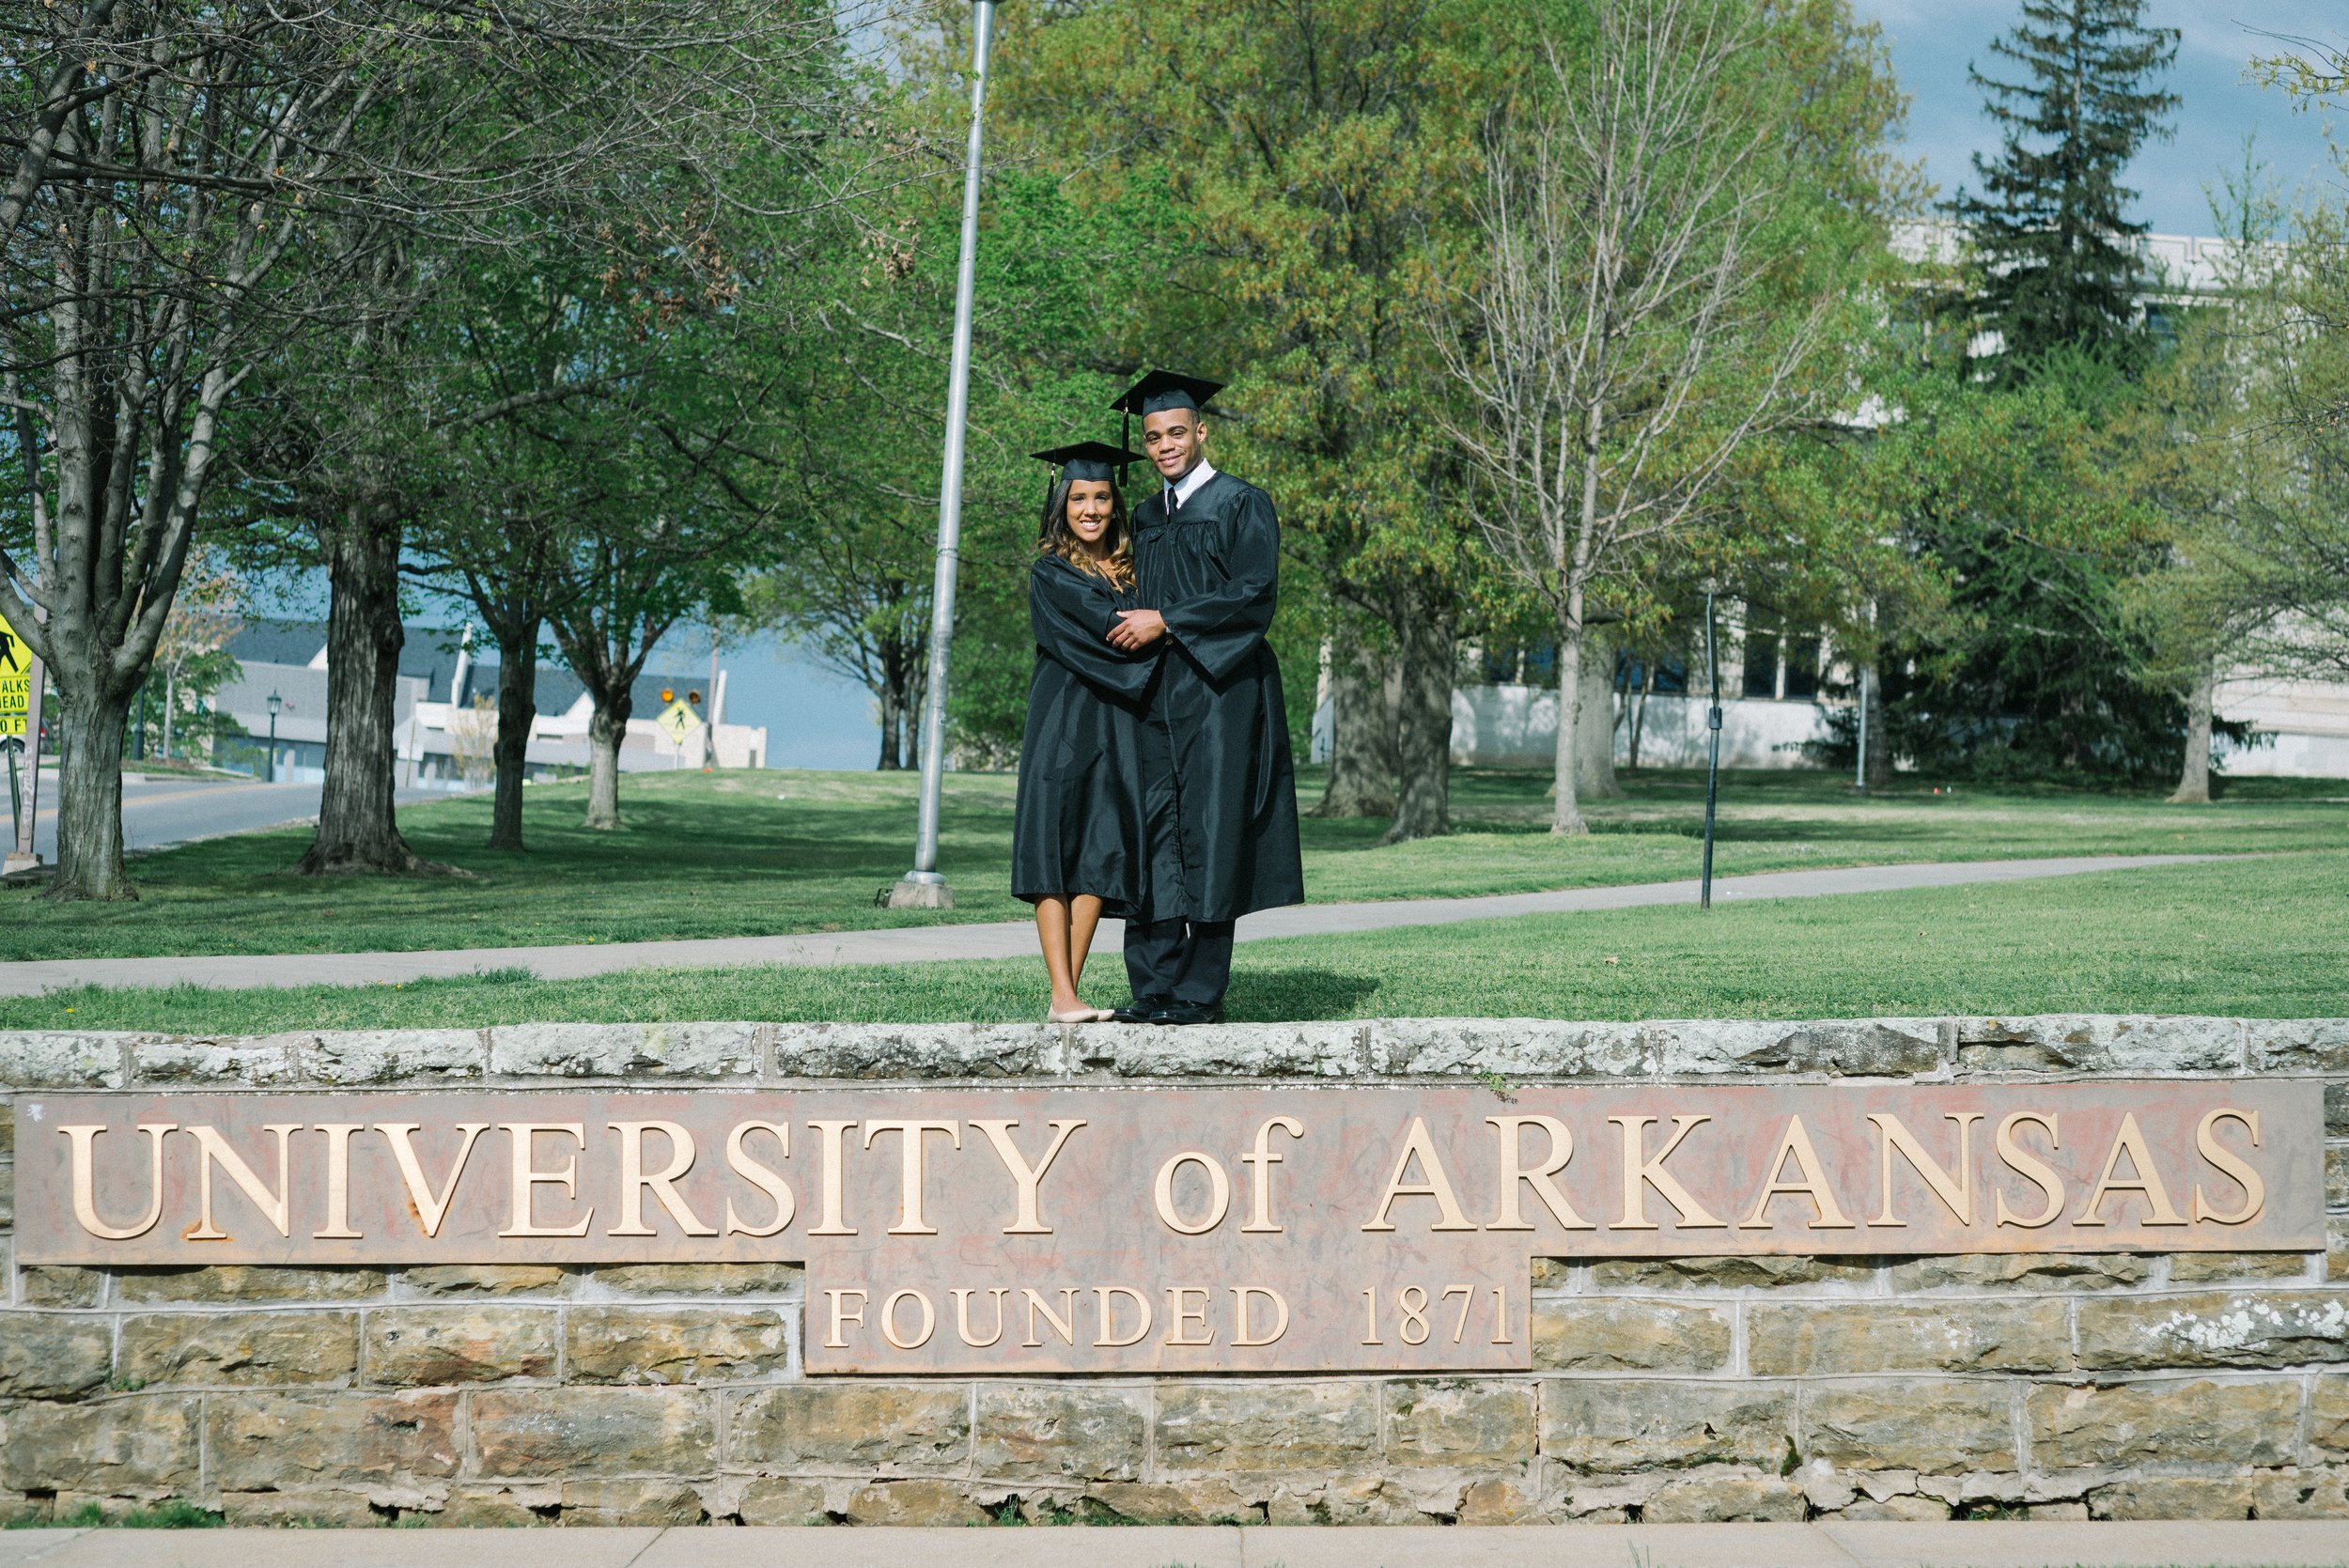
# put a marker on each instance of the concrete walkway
(2262, 1543)
(914, 945)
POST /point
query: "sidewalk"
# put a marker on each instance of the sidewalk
(915, 944)
(2263, 1544)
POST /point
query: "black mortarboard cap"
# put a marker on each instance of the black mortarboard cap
(1089, 460)
(1161, 390)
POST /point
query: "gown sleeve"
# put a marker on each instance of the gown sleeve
(1224, 627)
(1070, 614)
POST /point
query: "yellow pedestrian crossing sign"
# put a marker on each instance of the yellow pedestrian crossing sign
(677, 721)
(16, 680)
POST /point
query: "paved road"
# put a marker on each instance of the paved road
(914, 945)
(169, 809)
(1881, 1543)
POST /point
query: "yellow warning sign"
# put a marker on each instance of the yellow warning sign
(677, 721)
(16, 680)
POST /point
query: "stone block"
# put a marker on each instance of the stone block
(2214, 1329)
(60, 1285)
(2337, 1177)
(1908, 1510)
(2300, 1044)
(1759, 1272)
(1629, 1336)
(1310, 1051)
(1710, 1499)
(143, 1444)
(2194, 1268)
(1267, 1426)
(1931, 1426)
(1514, 1049)
(2309, 1494)
(2173, 1498)
(630, 1502)
(1603, 1425)
(1817, 1337)
(1070, 1430)
(2337, 1110)
(1461, 1423)
(1872, 1047)
(586, 1433)
(2166, 1422)
(53, 1355)
(2176, 1044)
(892, 1428)
(638, 1052)
(62, 1059)
(489, 1278)
(257, 1441)
(241, 1348)
(676, 1344)
(869, 1052)
(1497, 1503)
(2336, 1248)
(1359, 1500)
(2045, 1043)
(774, 1500)
(2030, 1271)
(2328, 1418)
(8, 1127)
(246, 1284)
(914, 1503)
(324, 1509)
(495, 1507)
(1200, 1501)
(437, 1346)
(362, 1057)
(267, 1062)
(703, 1279)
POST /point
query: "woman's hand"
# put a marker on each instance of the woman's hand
(1136, 629)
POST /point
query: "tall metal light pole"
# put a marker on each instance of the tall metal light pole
(1713, 768)
(925, 886)
(275, 701)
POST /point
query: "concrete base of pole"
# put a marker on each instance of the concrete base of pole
(17, 863)
(921, 895)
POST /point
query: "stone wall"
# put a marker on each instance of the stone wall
(2194, 1386)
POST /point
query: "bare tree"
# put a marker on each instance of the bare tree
(1632, 328)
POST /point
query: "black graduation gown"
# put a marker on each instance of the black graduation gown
(1220, 785)
(1077, 826)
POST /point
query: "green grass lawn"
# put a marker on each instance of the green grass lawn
(2260, 940)
(720, 855)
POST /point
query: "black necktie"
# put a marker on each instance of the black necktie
(1171, 502)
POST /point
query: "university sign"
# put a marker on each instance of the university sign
(1128, 1230)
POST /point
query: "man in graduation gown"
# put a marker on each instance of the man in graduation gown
(1220, 787)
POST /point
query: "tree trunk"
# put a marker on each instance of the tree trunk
(1638, 709)
(1595, 768)
(518, 713)
(1361, 749)
(357, 828)
(1567, 815)
(1424, 731)
(89, 797)
(1879, 770)
(889, 703)
(605, 728)
(2194, 778)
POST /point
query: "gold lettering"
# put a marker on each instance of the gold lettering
(2254, 1190)
(1175, 1297)
(2049, 1184)
(212, 1148)
(1956, 1195)
(528, 1178)
(841, 1316)
(1263, 1161)
(831, 1145)
(963, 1316)
(1796, 1141)
(633, 1181)
(2132, 1139)
(1065, 1326)
(429, 1211)
(1240, 1318)
(1218, 1193)
(1436, 1186)
(1688, 1215)
(1514, 1170)
(912, 1168)
(84, 1183)
(765, 1178)
(337, 1181)
(889, 1320)
(1023, 1177)
(1109, 1312)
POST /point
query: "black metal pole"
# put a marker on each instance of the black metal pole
(1713, 768)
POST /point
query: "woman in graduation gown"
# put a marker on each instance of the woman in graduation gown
(1077, 832)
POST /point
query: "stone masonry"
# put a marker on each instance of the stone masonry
(2194, 1386)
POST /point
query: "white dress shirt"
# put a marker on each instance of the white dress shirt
(1188, 484)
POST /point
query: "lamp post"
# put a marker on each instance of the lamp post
(275, 701)
(1713, 725)
(925, 886)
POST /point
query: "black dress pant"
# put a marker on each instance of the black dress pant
(1189, 960)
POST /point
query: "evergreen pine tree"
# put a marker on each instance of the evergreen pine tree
(2062, 271)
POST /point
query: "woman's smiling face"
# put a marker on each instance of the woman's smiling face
(1089, 509)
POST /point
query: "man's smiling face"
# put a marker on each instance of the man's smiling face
(1173, 438)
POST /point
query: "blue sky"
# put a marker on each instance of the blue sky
(1934, 41)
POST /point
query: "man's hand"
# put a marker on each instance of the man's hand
(1136, 629)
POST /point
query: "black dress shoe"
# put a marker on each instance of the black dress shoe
(1140, 1009)
(1187, 1012)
